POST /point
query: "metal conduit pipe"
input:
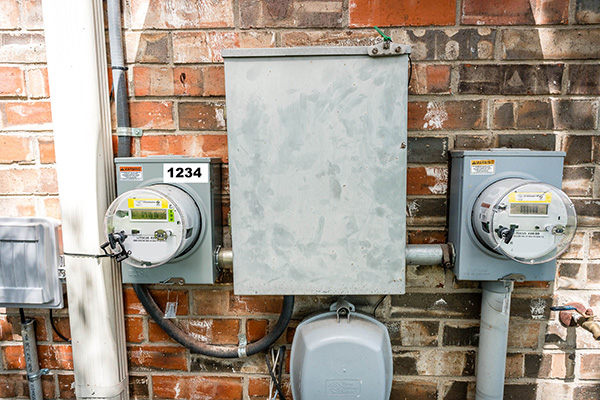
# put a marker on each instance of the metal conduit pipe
(430, 254)
(34, 374)
(493, 339)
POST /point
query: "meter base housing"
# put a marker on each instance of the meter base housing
(197, 266)
(474, 261)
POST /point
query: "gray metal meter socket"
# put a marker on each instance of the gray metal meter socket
(508, 216)
(169, 207)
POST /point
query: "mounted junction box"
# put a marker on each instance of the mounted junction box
(317, 150)
(170, 209)
(508, 217)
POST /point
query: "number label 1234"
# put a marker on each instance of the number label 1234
(186, 172)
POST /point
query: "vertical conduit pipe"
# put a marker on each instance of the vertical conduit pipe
(77, 69)
(493, 339)
(34, 376)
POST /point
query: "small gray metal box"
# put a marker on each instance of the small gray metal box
(473, 261)
(317, 166)
(197, 266)
(29, 261)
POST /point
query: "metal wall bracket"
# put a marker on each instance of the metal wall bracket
(388, 48)
(37, 375)
(126, 131)
(243, 344)
(62, 270)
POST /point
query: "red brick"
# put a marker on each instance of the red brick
(515, 12)
(13, 385)
(32, 12)
(437, 115)
(258, 388)
(192, 145)
(213, 78)
(161, 296)
(28, 181)
(364, 13)
(46, 146)
(17, 206)
(540, 114)
(66, 386)
(188, 81)
(152, 115)
(215, 331)
(9, 14)
(197, 47)
(51, 207)
(290, 13)
(427, 180)
(37, 83)
(63, 326)
(147, 47)
(157, 358)
(22, 47)
(163, 14)
(330, 38)
(197, 387)
(590, 366)
(256, 329)
(15, 149)
(427, 78)
(153, 81)
(211, 302)
(255, 304)
(134, 329)
(55, 356)
(27, 113)
(12, 82)
(550, 44)
(13, 357)
(427, 237)
(202, 116)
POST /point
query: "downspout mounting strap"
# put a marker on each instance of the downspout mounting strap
(132, 132)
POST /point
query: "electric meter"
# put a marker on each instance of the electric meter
(161, 222)
(529, 222)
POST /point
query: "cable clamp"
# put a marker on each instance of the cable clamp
(128, 131)
(37, 375)
(119, 67)
(242, 346)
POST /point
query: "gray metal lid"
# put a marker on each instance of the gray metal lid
(505, 152)
(300, 51)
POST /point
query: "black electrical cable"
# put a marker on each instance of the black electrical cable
(276, 381)
(22, 315)
(378, 304)
(60, 335)
(409, 69)
(198, 347)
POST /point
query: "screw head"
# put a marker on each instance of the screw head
(398, 49)
(375, 51)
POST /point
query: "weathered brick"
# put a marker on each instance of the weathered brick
(473, 142)
(531, 307)
(575, 249)
(150, 115)
(13, 385)
(210, 302)
(427, 237)
(446, 115)
(12, 82)
(510, 79)
(58, 356)
(133, 306)
(147, 47)
(587, 12)
(153, 81)
(17, 206)
(37, 83)
(427, 78)
(9, 14)
(584, 79)
(215, 331)
(594, 245)
(213, 79)
(514, 365)
(255, 304)
(290, 14)
(578, 148)
(547, 365)
(46, 147)
(51, 207)
(15, 149)
(22, 47)
(32, 14)
(515, 12)
(426, 211)
(423, 149)
(202, 116)
(436, 305)
(414, 390)
(461, 334)
(29, 181)
(252, 365)
(134, 329)
(256, 329)
(539, 114)
(578, 181)
(330, 38)
(196, 47)
(34, 115)
(550, 44)
(533, 142)
(448, 44)
(392, 13)
(588, 212)
(593, 272)
(63, 326)
(139, 387)
(430, 362)
(197, 387)
(586, 392)
(163, 14)
(458, 391)
(413, 333)
(191, 145)
(159, 358)
(426, 180)
(520, 391)
(426, 276)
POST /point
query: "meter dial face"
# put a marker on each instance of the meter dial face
(161, 223)
(529, 222)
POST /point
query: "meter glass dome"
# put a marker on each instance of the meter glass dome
(529, 222)
(161, 222)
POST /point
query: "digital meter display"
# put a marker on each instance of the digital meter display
(148, 215)
(528, 209)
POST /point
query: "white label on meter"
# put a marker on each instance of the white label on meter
(483, 167)
(186, 173)
(130, 173)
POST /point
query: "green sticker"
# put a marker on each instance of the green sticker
(171, 216)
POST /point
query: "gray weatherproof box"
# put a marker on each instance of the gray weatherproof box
(197, 266)
(317, 165)
(29, 261)
(473, 261)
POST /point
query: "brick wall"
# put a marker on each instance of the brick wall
(516, 73)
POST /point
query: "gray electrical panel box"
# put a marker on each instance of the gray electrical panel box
(29, 262)
(158, 178)
(472, 172)
(317, 166)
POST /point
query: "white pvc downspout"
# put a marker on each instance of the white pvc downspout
(77, 70)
